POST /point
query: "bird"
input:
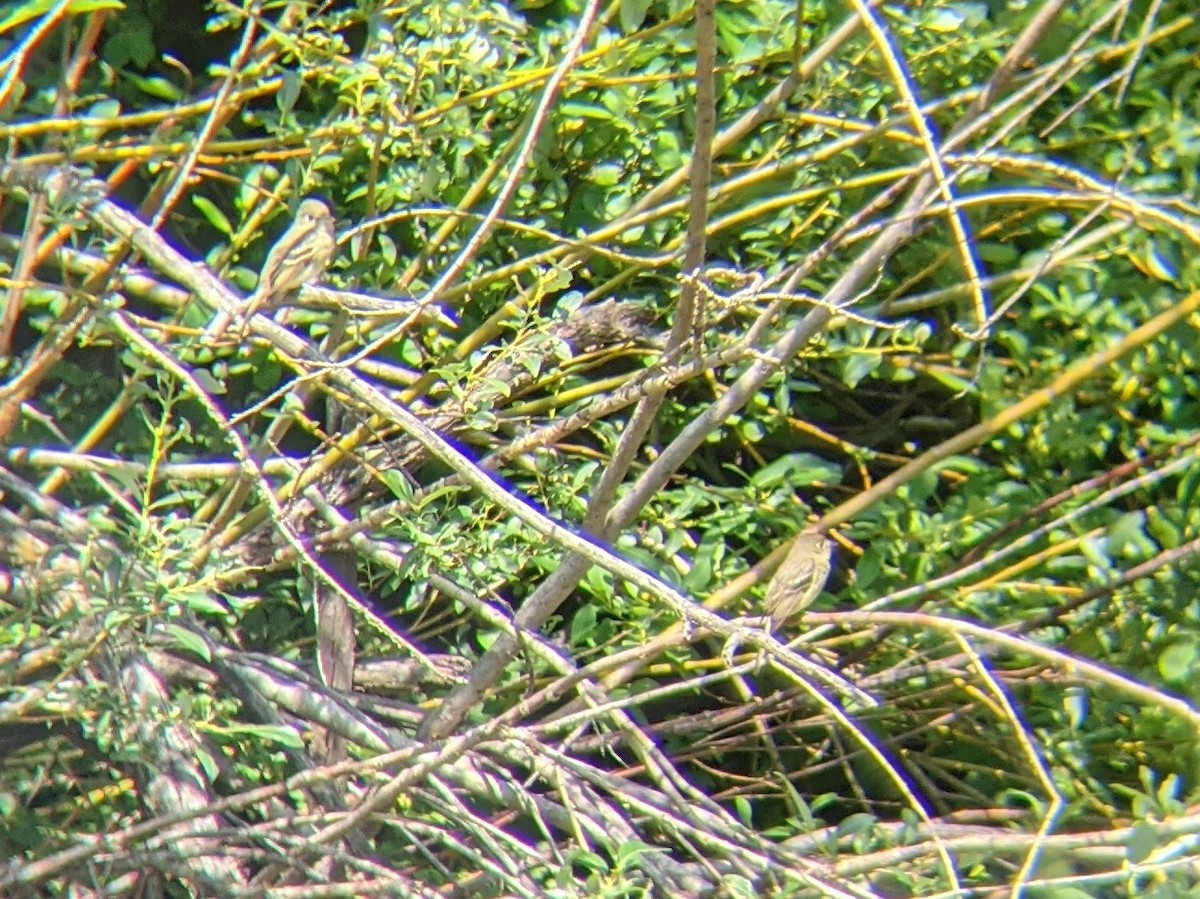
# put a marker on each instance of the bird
(800, 578)
(299, 256)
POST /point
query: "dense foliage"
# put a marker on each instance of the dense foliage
(452, 579)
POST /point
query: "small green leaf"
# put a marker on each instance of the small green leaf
(588, 860)
(745, 811)
(1158, 263)
(583, 624)
(575, 109)
(289, 92)
(997, 254)
(752, 431)
(630, 851)
(282, 736)
(1142, 842)
(132, 43)
(209, 764)
(858, 823)
(949, 379)
(215, 216)
(633, 14)
(796, 470)
(1075, 701)
(868, 568)
(397, 482)
(189, 641)
(1177, 663)
(945, 21)
(156, 86)
(200, 601)
(857, 366)
(387, 249)
(212, 385)
(31, 9)
(607, 175)
(104, 109)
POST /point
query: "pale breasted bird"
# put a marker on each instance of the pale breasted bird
(299, 257)
(800, 578)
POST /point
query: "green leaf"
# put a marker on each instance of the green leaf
(1075, 702)
(869, 567)
(387, 249)
(189, 641)
(997, 254)
(858, 823)
(208, 764)
(607, 175)
(131, 44)
(953, 17)
(1158, 261)
(279, 735)
(583, 625)
(215, 216)
(1143, 841)
(630, 851)
(796, 470)
(857, 366)
(588, 860)
(633, 14)
(752, 431)
(397, 482)
(948, 378)
(1178, 662)
(576, 109)
(199, 601)
(156, 86)
(32, 9)
(1058, 891)
(289, 92)
(207, 380)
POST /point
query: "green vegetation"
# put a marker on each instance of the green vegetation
(454, 577)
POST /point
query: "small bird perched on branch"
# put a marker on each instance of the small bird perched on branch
(799, 579)
(299, 256)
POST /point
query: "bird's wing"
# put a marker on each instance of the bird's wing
(280, 253)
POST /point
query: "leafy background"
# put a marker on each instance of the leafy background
(983, 382)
